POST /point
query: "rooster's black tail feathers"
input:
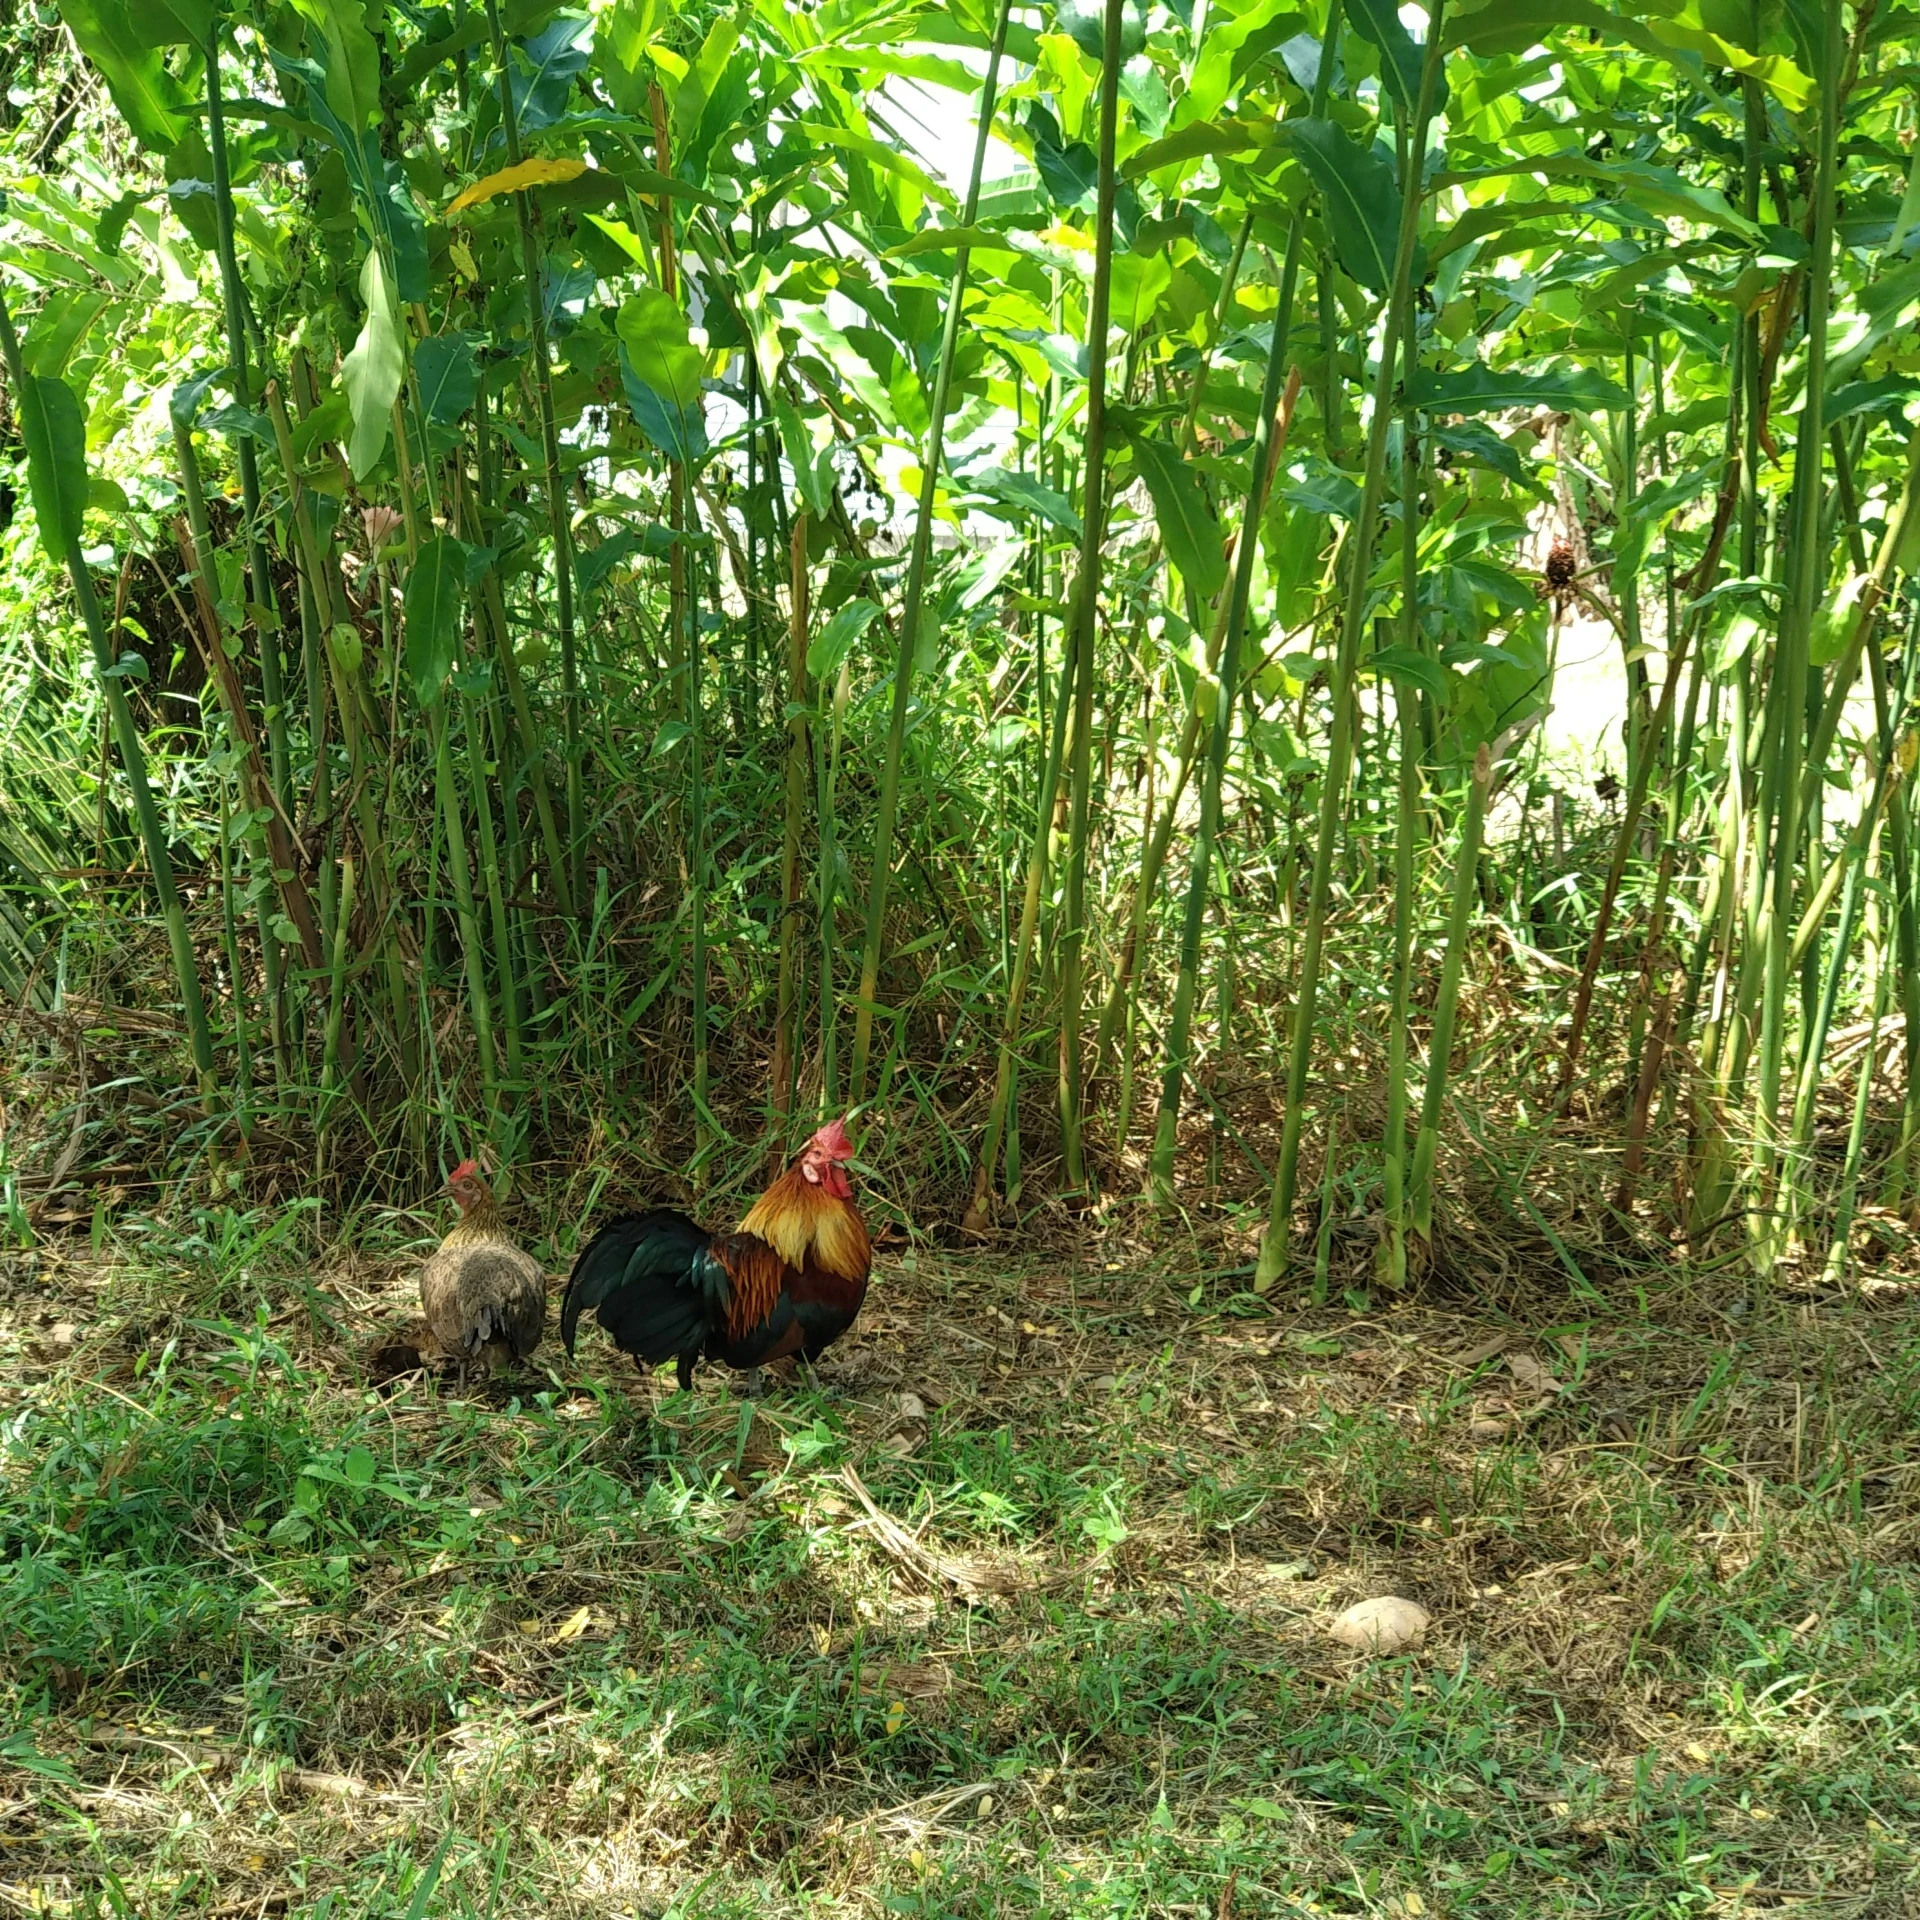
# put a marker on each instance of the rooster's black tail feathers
(650, 1280)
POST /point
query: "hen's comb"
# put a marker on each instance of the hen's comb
(466, 1170)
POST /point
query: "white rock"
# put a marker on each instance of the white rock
(1386, 1625)
(911, 1407)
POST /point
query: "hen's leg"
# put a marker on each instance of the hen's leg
(683, 1372)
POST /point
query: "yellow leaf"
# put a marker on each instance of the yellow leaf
(1412, 1903)
(529, 173)
(462, 257)
(529, 1626)
(572, 1627)
(896, 1716)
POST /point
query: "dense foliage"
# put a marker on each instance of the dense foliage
(573, 582)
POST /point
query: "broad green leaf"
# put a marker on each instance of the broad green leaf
(660, 369)
(1023, 492)
(1793, 89)
(1138, 281)
(654, 332)
(351, 59)
(151, 101)
(436, 589)
(679, 432)
(951, 239)
(1192, 143)
(1495, 389)
(1361, 200)
(1403, 663)
(812, 467)
(443, 363)
(1085, 23)
(60, 329)
(373, 370)
(691, 97)
(55, 430)
(833, 642)
(1400, 55)
(591, 565)
(1187, 523)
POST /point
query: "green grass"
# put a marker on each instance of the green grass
(275, 1643)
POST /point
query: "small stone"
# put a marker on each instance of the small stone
(62, 1334)
(910, 1406)
(1384, 1625)
(1106, 1382)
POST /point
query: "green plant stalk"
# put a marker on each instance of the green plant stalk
(1440, 1044)
(473, 735)
(478, 1003)
(1906, 921)
(233, 294)
(230, 939)
(1791, 665)
(133, 763)
(1085, 622)
(330, 1046)
(684, 513)
(915, 590)
(1392, 1262)
(799, 758)
(1270, 430)
(530, 254)
(1038, 861)
(1397, 337)
(256, 787)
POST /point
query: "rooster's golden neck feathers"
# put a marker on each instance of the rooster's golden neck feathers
(797, 1218)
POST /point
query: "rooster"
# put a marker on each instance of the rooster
(484, 1298)
(789, 1281)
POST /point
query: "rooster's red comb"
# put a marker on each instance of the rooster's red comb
(834, 1141)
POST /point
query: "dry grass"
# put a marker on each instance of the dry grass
(1028, 1617)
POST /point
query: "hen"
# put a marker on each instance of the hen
(789, 1281)
(484, 1298)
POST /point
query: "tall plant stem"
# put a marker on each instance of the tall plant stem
(66, 542)
(910, 618)
(233, 293)
(531, 253)
(1806, 576)
(1452, 968)
(799, 758)
(1397, 336)
(1084, 617)
(472, 955)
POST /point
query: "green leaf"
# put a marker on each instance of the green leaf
(690, 102)
(1493, 389)
(654, 332)
(55, 431)
(1400, 54)
(373, 370)
(443, 363)
(436, 588)
(1187, 523)
(1361, 200)
(1085, 23)
(834, 641)
(661, 370)
(1192, 143)
(350, 57)
(1026, 494)
(358, 1468)
(1403, 663)
(151, 101)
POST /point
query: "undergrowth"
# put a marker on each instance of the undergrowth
(279, 1642)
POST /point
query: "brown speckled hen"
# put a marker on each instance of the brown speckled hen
(485, 1298)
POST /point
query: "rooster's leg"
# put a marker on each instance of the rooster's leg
(809, 1376)
(756, 1385)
